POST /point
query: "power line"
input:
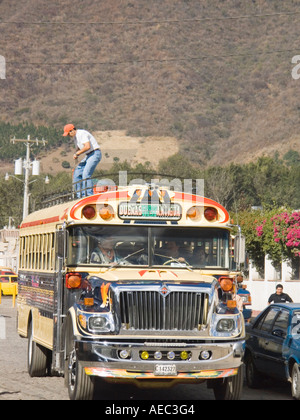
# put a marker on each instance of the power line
(153, 22)
(153, 60)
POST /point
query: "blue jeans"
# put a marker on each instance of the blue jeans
(84, 171)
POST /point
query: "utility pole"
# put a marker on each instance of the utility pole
(27, 164)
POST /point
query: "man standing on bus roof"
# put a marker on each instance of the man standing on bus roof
(85, 143)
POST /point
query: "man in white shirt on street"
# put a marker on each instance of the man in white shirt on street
(85, 143)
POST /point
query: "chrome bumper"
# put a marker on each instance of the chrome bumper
(103, 359)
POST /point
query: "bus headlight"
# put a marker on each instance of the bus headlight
(226, 326)
(101, 323)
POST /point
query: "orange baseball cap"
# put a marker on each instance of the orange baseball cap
(67, 129)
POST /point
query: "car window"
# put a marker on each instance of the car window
(266, 322)
(281, 323)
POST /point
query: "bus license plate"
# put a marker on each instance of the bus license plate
(165, 370)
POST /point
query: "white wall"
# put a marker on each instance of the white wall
(261, 289)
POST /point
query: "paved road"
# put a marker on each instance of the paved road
(15, 383)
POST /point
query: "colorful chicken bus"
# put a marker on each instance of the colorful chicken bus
(132, 284)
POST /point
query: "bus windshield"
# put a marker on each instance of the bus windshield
(148, 246)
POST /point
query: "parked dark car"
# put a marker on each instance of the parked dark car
(273, 346)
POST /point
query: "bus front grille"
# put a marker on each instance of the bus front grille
(149, 310)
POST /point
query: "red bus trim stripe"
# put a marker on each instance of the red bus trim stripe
(40, 222)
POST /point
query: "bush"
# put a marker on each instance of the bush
(65, 164)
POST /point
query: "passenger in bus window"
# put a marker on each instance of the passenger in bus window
(105, 253)
(200, 257)
(172, 250)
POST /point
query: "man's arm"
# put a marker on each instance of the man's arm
(85, 148)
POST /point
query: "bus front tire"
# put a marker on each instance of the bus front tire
(229, 388)
(80, 385)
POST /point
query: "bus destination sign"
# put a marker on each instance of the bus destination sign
(161, 211)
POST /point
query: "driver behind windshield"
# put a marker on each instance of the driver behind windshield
(105, 253)
(110, 251)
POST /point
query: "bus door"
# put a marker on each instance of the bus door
(59, 313)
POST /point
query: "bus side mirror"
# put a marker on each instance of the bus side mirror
(239, 249)
(61, 243)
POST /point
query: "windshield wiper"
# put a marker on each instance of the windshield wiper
(181, 261)
(124, 259)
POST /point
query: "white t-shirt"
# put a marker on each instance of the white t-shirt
(82, 137)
